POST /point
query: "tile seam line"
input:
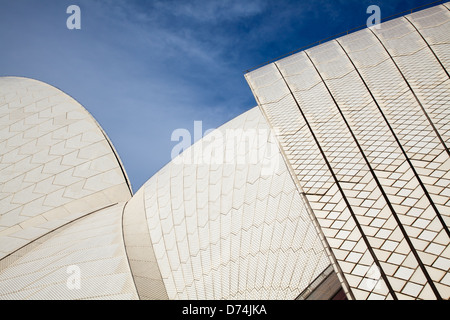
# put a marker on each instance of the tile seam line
(394, 213)
(119, 161)
(177, 237)
(185, 220)
(265, 215)
(429, 46)
(411, 165)
(328, 251)
(347, 32)
(122, 229)
(164, 240)
(90, 116)
(319, 279)
(344, 197)
(198, 226)
(240, 261)
(280, 249)
(340, 188)
(33, 242)
(414, 94)
(60, 187)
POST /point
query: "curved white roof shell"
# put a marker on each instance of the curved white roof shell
(90, 248)
(233, 225)
(198, 229)
(364, 122)
(337, 184)
(56, 164)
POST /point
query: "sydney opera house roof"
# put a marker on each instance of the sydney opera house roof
(336, 186)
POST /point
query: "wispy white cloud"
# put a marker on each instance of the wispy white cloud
(215, 10)
(145, 68)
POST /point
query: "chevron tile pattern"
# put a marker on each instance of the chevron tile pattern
(363, 124)
(229, 231)
(404, 113)
(433, 25)
(340, 177)
(94, 245)
(426, 76)
(383, 154)
(56, 164)
(321, 189)
(143, 263)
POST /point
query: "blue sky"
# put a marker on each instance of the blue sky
(144, 68)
